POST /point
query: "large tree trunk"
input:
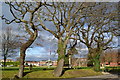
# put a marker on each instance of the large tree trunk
(59, 69)
(61, 55)
(96, 61)
(96, 65)
(22, 59)
(94, 56)
(23, 50)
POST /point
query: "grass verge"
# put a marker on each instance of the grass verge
(48, 73)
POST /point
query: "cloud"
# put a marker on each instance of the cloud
(36, 51)
(40, 57)
(84, 49)
(39, 53)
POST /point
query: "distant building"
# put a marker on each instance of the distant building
(54, 63)
(7, 60)
(35, 63)
(111, 58)
(41, 63)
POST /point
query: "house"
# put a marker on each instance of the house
(43, 63)
(7, 60)
(111, 58)
(54, 63)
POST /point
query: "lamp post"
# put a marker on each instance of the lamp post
(49, 59)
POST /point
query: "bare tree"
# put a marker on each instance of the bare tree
(19, 11)
(106, 56)
(10, 44)
(100, 26)
(64, 18)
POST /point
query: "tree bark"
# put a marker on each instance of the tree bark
(61, 55)
(21, 67)
(23, 49)
(96, 61)
(59, 69)
(96, 65)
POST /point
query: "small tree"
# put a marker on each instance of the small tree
(10, 44)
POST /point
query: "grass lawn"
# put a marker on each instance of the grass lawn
(44, 72)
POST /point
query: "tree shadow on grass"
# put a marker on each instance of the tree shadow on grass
(65, 69)
(25, 73)
(37, 69)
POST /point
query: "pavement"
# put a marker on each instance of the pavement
(105, 76)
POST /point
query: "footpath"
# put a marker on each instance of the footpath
(105, 76)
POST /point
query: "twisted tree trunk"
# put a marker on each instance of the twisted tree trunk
(23, 49)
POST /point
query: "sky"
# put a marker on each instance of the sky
(48, 41)
(36, 52)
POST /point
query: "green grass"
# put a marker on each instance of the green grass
(80, 73)
(68, 74)
(44, 72)
(27, 68)
(9, 74)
